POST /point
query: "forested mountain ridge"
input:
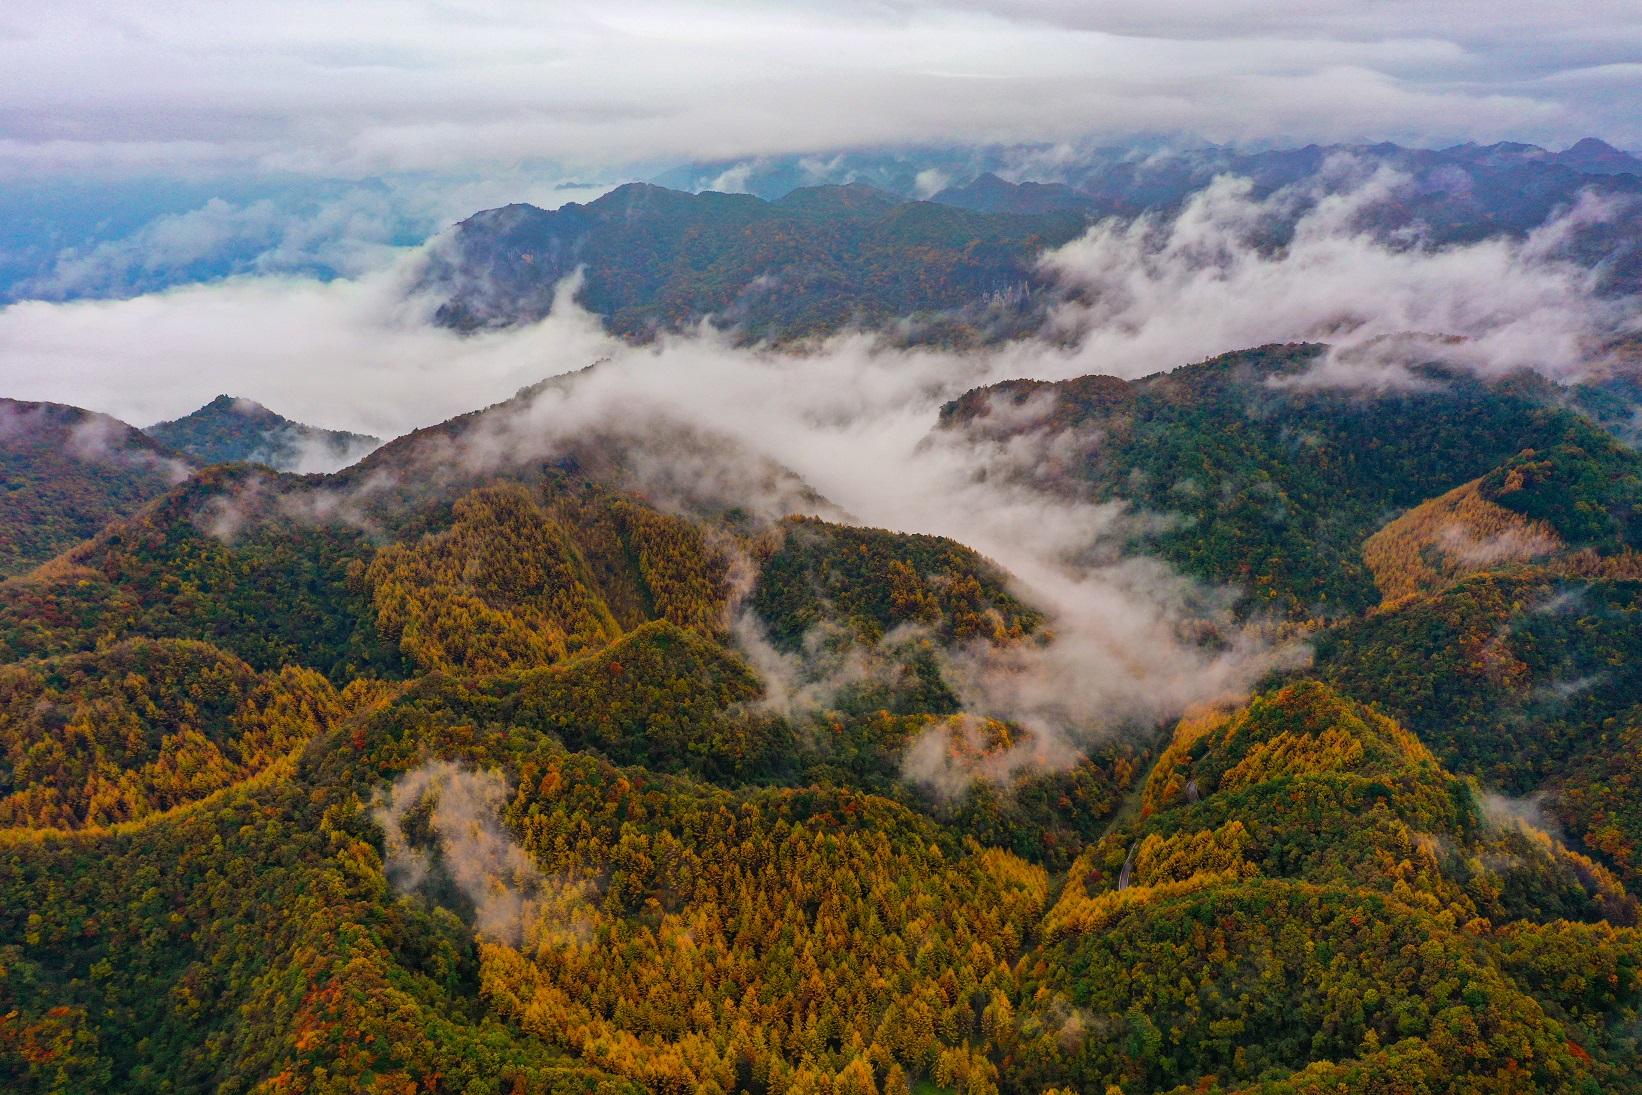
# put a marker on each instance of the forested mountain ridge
(860, 241)
(1142, 176)
(1279, 483)
(1460, 193)
(811, 263)
(1294, 848)
(1470, 548)
(537, 756)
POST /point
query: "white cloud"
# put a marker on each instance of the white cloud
(1153, 294)
(423, 85)
(1158, 291)
(355, 231)
(352, 354)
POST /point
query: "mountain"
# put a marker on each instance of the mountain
(790, 262)
(1595, 157)
(66, 472)
(1142, 174)
(645, 453)
(229, 429)
(1263, 830)
(991, 194)
(96, 238)
(1276, 484)
(814, 262)
(590, 752)
(1470, 549)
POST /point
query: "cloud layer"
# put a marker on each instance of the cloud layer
(1158, 291)
(393, 85)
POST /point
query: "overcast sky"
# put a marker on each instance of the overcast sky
(371, 86)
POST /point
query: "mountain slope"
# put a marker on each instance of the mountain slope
(990, 194)
(144, 726)
(65, 472)
(1573, 510)
(214, 559)
(1299, 880)
(1147, 174)
(529, 755)
(1261, 482)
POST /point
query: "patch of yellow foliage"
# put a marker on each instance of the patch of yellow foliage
(1449, 537)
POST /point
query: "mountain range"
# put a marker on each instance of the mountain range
(604, 756)
(1286, 737)
(816, 246)
(813, 262)
(67, 472)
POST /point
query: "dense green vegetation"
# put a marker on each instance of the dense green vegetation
(1504, 676)
(253, 944)
(142, 726)
(65, 473)
(1599, 794)
(1272, 486)
(869, 583)
(1335, 912)
(1588, 490)
(215, 560)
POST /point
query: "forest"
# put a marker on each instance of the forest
(425, 777)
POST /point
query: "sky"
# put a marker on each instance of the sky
(184, 88)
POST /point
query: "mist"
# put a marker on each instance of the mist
(1158, 291)
(474, 851)
(1135, 297)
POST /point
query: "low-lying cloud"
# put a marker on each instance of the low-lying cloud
(303, 230)
(468, 844)
(1142, 296)
(1159, 289)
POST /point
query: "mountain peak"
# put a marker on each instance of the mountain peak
(992, 193)
(852, 199)
(230, 429)
(1594, 156)
(1587, 145)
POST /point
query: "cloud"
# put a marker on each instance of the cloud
(812, 679)
(419, 85)
(1141, 296)
(1235, 270)
(951, 754)
(101, 440)
(931, 181)
(352, 353)
(1529, 813)
(311, 230)
(467, 844)
(1506, 545)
